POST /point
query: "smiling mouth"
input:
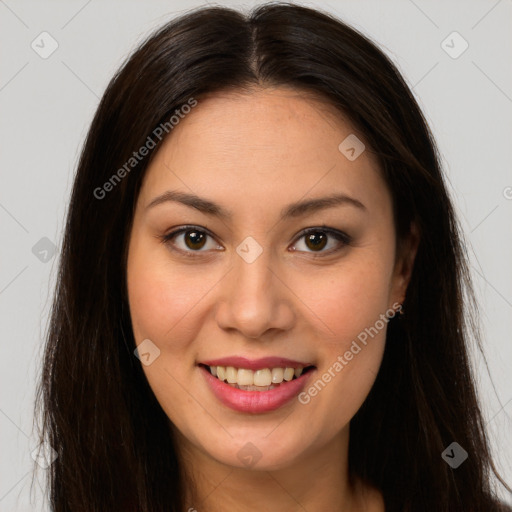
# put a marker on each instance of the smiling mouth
(263, 379)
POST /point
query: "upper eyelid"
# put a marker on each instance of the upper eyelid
(184, 229)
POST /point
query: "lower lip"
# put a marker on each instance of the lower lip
(255, 401)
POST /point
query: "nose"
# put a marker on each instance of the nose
(255, 299)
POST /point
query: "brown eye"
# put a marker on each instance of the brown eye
(189, 240)
(316, 241)
(194, 239)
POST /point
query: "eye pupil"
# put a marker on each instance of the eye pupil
(318, 240)
(198, 239)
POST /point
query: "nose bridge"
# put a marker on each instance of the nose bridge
(253, 298)
(254, 301)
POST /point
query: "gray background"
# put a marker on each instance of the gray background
(48, 104)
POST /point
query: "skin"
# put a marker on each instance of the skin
(254, 152)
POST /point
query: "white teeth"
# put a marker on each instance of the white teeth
(220, 371)
(262, 377)
(277, 375)
(245, 377)
(288, 374)
(249, 379)
(231, 374)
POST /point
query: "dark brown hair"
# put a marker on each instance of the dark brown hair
(115, 449)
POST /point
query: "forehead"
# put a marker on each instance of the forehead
(278, 144)
(270, 122)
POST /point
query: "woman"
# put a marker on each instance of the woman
(260, 299)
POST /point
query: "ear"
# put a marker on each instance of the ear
(404, 264)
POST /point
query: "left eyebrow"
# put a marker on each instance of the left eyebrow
(312, 205)
(292, 210)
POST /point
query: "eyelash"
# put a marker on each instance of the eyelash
(340, 236)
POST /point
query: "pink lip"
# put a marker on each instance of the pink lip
(256, 364)
(255, 401)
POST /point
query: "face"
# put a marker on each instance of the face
(245, 278)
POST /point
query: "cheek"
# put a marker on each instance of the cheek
(163, 301)
(347, 300)
(351, 308)
(349, 305)
(165, 307)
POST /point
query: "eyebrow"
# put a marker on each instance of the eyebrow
(292, 210)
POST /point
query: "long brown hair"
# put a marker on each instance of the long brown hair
(115, 449)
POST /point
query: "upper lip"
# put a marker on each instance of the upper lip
(256, 364)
